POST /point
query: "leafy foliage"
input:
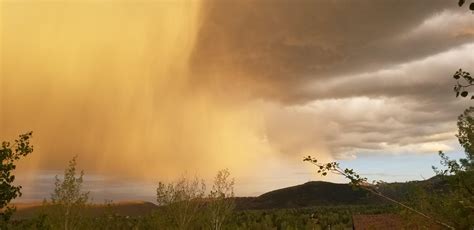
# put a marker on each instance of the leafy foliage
(458, 198)
(9, 154)
(360, 182)
(181, 201)
(333, 167)
(184, 205)
(221, 204)
(466, 137)
(68, 200)
(466, 81)
(461, 3)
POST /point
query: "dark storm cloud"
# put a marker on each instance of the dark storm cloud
(359, 76)
(271, 49)
(407, 108)
(428, 78)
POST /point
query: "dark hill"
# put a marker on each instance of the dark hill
(315, 193)
(320, 193)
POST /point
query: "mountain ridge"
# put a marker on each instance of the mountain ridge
(309, 194)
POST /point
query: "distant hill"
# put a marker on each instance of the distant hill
(320, 193)
(124, 208)
(314, 193)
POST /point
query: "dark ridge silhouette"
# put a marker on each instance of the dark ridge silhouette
(310, 194)
(321, 193)
(314, 193)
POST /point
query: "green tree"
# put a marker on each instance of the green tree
(456, 202)
(67, 199)
(361, 182)
(221, 203)
(459, 175)
(9, 154)
(181, 201)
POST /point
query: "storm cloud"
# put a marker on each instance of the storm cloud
(273, 48)
(362, 76)
(155, 88)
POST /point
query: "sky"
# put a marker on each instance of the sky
(150, 90)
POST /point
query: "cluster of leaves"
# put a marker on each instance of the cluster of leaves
(466, 138)
(9, 154)
(333, 167)
(461, 3)
(461, 88)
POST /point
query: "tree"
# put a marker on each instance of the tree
(181, 201)
(459, 174)
(466, 137)
(361, 182)
(221, 203)
(68, 199)
(9, 154)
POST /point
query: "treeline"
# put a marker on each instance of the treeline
(182, 204)
(336, 217)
